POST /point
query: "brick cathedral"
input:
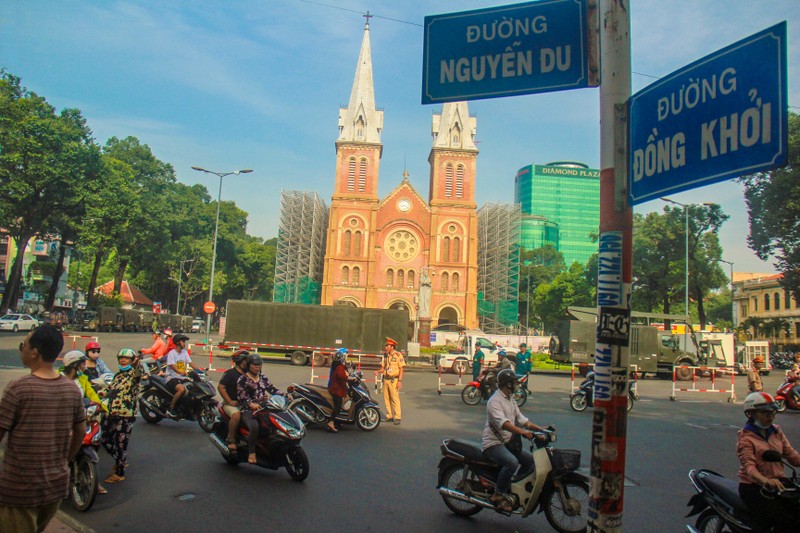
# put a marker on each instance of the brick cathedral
(377, 249)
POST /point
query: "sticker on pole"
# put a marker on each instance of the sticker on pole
(209, 307)
(721, 117)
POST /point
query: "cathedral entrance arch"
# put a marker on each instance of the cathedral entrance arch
(347, 301)
(448, 315)
(402, 304)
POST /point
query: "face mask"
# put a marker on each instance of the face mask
(124, 368)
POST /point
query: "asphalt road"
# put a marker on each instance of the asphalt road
(385, 480)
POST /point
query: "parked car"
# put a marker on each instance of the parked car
(197, 325)
(16, 322)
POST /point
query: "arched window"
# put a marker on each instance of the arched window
(777, 298)
(360, 128)
(755, 303)
(345, 275)
(362, 175)
(446, 249)
(448, 181)
(445, 280)
(460, 181)
(455, 281)
(356, 276)
(456, 250)
(351, 174)
(346, 243)
(390, 277)
(357, 245)
(766, 302)
(400, 278)
(787, 297)
(411, 280)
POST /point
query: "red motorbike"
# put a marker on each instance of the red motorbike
(784, 397)
(477, 391)
(83, 469)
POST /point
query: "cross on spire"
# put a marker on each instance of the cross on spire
(367, 16)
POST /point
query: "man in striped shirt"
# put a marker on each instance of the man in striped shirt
(43, 415)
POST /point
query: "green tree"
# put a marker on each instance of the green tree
(773, 205)
(705, 272)
(48, 161)
(570, 288)
(538, 266)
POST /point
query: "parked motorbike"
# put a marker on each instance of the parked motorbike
(479, 390)
(718, 504)
(584, 396)
(279, 436)
(467, 479)
(83, 481)
(197, 403)
(784, 397)
(313, 403)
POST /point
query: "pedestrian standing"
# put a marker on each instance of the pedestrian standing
(524, 363)
(754, 375)
(117, 427)
(392, 368)
(477, 362)
(43, 415)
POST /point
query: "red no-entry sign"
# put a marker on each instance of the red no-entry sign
(209, 307)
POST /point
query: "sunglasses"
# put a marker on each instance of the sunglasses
(93, 351)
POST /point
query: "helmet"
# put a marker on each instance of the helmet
(239, 356)
(506, 377)
(758, 359)
(759, 401)
(73, 357)
(253, 359)
(126, 352)
(167, 331)
(179, 337)
(92, 345)
(501, 353)
(341, 355)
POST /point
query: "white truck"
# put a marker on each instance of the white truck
(459, 360)
(751, 349)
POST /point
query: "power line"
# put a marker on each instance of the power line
(360, 12)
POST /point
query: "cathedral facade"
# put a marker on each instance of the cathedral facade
(379, 249)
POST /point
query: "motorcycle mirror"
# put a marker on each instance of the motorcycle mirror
(771, 456)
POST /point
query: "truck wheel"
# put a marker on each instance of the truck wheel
(320, 359)
(683, 373)
(460, 366)
(299, 358)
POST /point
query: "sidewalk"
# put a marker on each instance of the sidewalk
(62, 523)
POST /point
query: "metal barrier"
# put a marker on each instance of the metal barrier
(443, 383)
(205, 353)
(713, 371)
(374, 363)
(634, 371)
(75, 339)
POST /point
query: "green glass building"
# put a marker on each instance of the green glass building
(560, 206)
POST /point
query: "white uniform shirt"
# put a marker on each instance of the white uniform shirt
(499, 410)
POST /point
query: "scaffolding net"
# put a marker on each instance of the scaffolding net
(498, 267)
(301, 248)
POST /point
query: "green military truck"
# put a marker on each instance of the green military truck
(302, 332)
(652, 350)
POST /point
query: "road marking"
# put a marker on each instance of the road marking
(697, 426)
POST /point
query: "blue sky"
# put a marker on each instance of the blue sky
(229, 84)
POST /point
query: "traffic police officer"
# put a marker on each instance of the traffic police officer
(392, 368)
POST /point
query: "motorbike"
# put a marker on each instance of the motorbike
(479, 390)
(313, 403)
(467, 479)
(279, 436)
(197, 403)
(717, 502)
(784, 397)
(584, 396)
(83, 482)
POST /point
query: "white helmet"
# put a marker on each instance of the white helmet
(75, 356)
(759, 401)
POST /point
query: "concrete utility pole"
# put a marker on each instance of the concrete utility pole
(612, 356)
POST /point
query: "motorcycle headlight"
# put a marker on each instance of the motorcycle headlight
(287, 429)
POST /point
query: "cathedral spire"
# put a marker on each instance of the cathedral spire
(360, 121)
(454, 128)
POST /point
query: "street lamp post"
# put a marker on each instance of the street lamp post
(733, 304)
(180, 278)
(216, 230)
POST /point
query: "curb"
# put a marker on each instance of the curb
(63, 522)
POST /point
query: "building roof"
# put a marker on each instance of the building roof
(130, 294)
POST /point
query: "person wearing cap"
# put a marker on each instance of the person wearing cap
(74, 364)
(155, 352)
(392, 368)
(95, 367)
(117, 426)
(524, 356)
(754, 375)
(227, 390)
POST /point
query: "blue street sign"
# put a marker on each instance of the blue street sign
(721, 117)
(504, 51)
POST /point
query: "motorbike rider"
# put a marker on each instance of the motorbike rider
(754, 375)
(793, 376)
(252, 389)
(177, 372)
(503, 363)
(227, 389)
(95, 366)
(168, 340)
(155, 352)
(757, 476)
(503, 421)
(74, 363)
(337, 385)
